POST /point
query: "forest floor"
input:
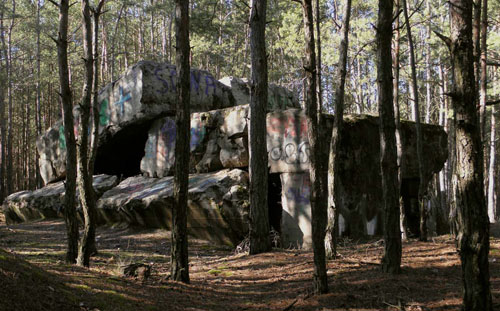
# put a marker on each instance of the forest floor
(33, 275)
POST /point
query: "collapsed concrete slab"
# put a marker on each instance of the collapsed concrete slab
(47, 202)
(219, 139)
(218, 204)
(278, 98)
(145, 92)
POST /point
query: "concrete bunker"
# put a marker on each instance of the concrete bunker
(137, 135)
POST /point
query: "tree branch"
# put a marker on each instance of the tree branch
(54, 3)
(493, 102)
(445, 39)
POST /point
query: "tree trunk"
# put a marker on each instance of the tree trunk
(113, 41)
(259, 219)
(420, 156)
(335, 192)
(483, 93)
(85, 177)
(38, 112)
(491, 170)
(3, 190)
(388, 155)
(319, 188)
(180, 265)
(397, 119)
(69, 135)
(428, 99)
(10, 111)
(473, 242)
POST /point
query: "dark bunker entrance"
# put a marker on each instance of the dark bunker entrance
(409, 193)
(122, 153)
(275, 207)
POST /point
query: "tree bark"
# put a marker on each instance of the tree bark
(483, 93)
(180, 265)
(491, 169)
(10, 111)
(420, 156)
(388, 155)
(473, 238)
(335, 192)
(85, 176)
(397, 119)
(3, 190)
(38, 112)
(259, 216)
(67, 103)
(319, 188)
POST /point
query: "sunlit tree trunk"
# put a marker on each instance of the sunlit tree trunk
(319, 188)
(397, 119)
(473, 237)
(67, 103)
(335, 192)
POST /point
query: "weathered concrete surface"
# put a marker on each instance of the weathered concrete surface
(360, 172)
(296, 230)
(47, 202)
(145, 92)
(279, 98)
(219, 139)
(218, 204)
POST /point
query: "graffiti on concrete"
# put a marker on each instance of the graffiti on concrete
(124, 97)
(288, 143)
(62, 138)
(165, 149)
(103, 113)
(298, 188)
(278, 101)
(167, 78)
(198, 131)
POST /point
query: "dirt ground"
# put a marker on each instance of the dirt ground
(223, 280)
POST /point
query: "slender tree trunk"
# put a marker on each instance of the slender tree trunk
(483, 88)
(3, 190)
(319, 91)
(473, 241)
(259, 219)
(113, 41)
(335, 192)
(38, 113)
(10, 111)
(85, 178)
(420, 156)
(95, 101)
(428, 99)
(180, 265)
(397, 119)
(319, 188)
(491, 169)
(476, 42)
(388, 154)
(67, 103)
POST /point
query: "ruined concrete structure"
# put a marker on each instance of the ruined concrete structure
(136, 152)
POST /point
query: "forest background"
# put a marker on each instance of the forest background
(136, 30)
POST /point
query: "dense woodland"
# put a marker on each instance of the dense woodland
(420, 40)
